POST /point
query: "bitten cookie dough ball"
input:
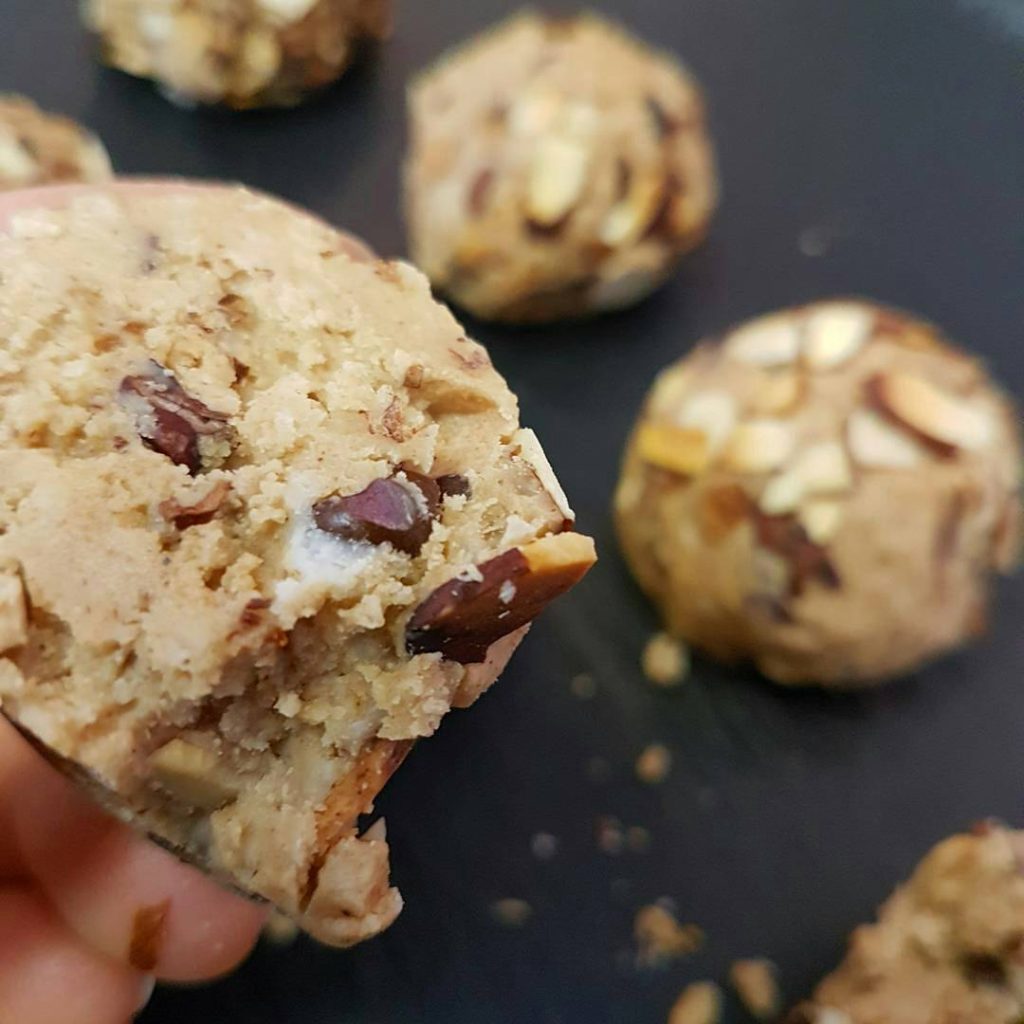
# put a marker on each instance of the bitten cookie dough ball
(266, 514)
(558, 167)
(826, 491)
(38, 148)
(242, 53)
(945, 948)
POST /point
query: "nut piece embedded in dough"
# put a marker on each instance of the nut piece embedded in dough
(839, 498)
(463, 617)
(192, 774)
(13, 613)
(537, 190)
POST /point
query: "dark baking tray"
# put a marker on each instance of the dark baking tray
(872, 147)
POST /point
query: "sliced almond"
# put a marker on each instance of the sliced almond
(778, 392)
(13, 613)
(760, 446)
(535, 112)
(628, 219)
(556, 177)
(772, 340)
(876, 443)
(620, 290)
(714, 413)
(193, 774)
(782, 494)
(835, 332)
(824, 468)
(530, 451)
(929, 411)
(821, 518)
(683, 450)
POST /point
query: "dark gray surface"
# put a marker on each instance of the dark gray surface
(893, 129)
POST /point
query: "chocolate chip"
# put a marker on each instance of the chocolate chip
(201, 511)
(452, 484)
(389, 510)
(171, 421)
(808, 562)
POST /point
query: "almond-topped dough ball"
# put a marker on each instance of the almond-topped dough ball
(241, 53)
(266, 515)
(558, 167)
(39, 148)
(826, 491)
(945, 948)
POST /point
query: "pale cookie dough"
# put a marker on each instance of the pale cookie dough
(242, 53)
(826, 491)
(266, 514)
(558, 167)
(948, 947)
(39, 148)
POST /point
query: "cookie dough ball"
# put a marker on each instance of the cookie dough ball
(266, 514)
(945, 947)
(557, 168)
(242, 53)
(826, 491)
(38, 148)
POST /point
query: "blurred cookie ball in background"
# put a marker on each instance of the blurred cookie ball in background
(39, 148)
(558, 168)
(242, 53)
(826, 491)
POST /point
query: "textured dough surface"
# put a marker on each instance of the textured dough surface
(242, 53)
(39, 148)
(946, 948)
(558, 167)
(826, 491)
(212, 410)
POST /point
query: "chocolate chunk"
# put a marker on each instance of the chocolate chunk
(389, 510)
(463, 617)
(169, 420)
(452, 484)
(808, 562)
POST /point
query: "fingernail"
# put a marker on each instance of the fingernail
(146, 987)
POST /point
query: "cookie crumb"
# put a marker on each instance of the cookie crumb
(660, 938)
(755, 983)
(699, 1003)
(511, 912)
(583, 686)
(280, 929)
(666, 660)
(544, 845)
(609, 835)
(653, 764)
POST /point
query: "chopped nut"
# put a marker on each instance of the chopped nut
(279, 929)
(618, 291)
(453, 485)
(389, 510)
(778, 392)
(556, 178)
(535, 112)
(629, 218)
(760, 446)
(821, 518)
(835, 332)
(192, 774)
(772, 340)
(511, 912)
(170, 421)
(698, 1003)
(13, 612)
(199, 512)
(823, 468)
(939, 418)
(661, 938)
(755, 983)
(713, 413)
(721, 510)
(682, 450)
(666, 660)
(876, 444)
(463, 617)
(653, 764)
(782, 494)
(531, 452)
